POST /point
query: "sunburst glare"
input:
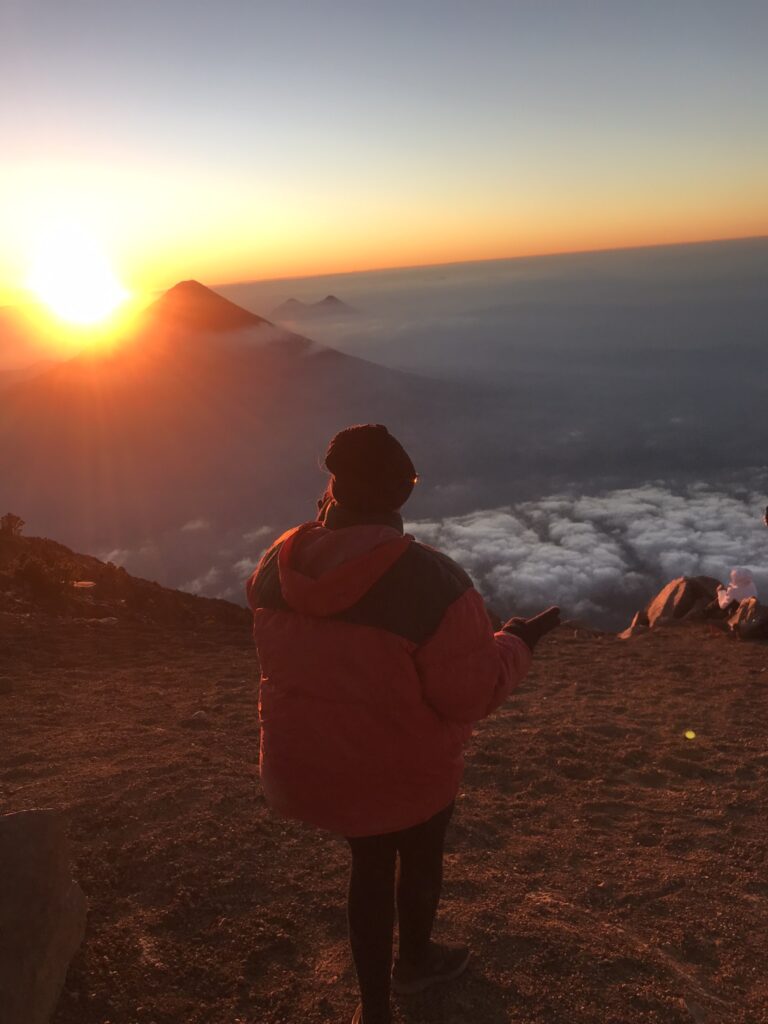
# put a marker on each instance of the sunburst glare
(71, 275)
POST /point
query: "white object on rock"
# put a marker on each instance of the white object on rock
(741, 588)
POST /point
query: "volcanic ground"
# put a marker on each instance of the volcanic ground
(604, 868)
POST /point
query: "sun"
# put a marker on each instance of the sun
(71, 275)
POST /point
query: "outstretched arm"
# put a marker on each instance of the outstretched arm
(533, 629)
(466, 669)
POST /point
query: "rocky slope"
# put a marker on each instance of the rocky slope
(603, 865)
(39, 577)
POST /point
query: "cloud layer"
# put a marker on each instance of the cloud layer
(601, 557)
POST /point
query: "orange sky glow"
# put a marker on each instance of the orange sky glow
(442, 139)
(150, 254)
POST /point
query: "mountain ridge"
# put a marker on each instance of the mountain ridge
(40, 575)
(295, 309)
(112, 449)
(193, 306)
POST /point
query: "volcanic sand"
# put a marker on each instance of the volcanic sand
(603, 867)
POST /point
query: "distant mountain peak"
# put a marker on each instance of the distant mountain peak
(190, 288)
(293, 309)
(191, 283)
(196, 307)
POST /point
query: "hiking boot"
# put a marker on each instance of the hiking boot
(358, 1015)
(442, 963)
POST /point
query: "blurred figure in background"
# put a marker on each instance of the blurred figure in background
(741, 587)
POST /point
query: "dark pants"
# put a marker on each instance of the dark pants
(371, 909)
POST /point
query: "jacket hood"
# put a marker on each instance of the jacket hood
(323, 571)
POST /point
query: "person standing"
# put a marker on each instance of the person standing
(377, 658)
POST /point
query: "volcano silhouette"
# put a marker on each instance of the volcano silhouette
(194, 307)
(207, 410)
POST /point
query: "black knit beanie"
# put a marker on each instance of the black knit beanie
(370, 470)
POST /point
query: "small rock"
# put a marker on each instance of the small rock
(197, 721)
(633, 631)
(698, 1014)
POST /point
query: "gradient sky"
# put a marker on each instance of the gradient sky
(246, 139)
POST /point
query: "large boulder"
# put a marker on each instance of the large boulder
(42, 915)
(686, 597)
(682, 597)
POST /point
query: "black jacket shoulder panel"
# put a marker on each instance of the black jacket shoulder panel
(449, 569)
(412, 597)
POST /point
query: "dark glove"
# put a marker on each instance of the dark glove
(532, 630)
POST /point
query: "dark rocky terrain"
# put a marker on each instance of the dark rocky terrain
(40, 577)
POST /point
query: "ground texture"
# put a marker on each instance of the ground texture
(604, 868)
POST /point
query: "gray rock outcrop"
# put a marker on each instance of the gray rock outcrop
(42, 915)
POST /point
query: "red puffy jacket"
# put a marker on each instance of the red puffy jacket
(377, 656)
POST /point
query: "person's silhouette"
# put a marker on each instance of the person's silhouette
(377, 657)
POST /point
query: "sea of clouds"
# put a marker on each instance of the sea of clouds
(600, 556)
(491, 320)
(605, 385)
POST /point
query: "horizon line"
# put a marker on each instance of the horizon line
(489, 259)
(161, 289)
